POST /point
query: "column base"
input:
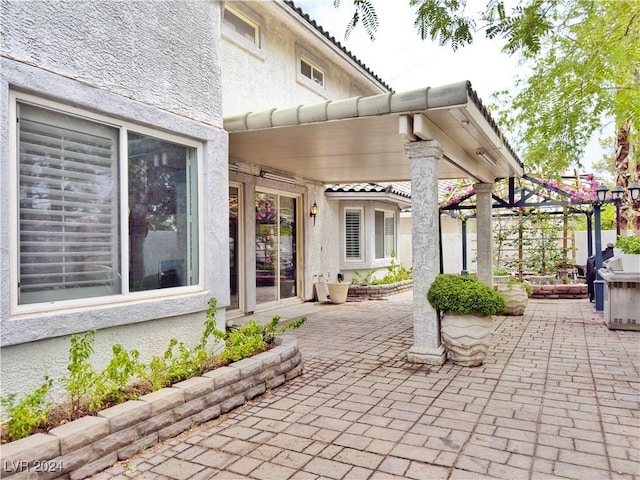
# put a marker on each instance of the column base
(427, 355)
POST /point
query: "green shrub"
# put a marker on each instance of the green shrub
(395, 273)
(629, 244)
(24, 416)
(89, 390)
(252, 337)
(465, 294)
(175, 366)
(243, 342)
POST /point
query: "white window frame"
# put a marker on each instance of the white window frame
(386, 252)
(313, 69)
(123, 127)
(360, 211)
(241, 41)
(303, 55)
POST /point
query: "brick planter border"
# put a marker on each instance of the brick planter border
(373, 292)
(572, 290)
(89, 445)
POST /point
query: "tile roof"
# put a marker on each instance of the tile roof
(402, 189)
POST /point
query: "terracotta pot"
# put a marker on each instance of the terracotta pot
(516, 297)
(466, 337)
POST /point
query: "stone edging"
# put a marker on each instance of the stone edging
(89, 445)
(362, 292)
(572, 290)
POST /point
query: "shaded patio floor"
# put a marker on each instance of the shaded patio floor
(558, 397)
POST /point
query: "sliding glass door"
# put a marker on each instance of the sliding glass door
(234, 247)
(276, 231)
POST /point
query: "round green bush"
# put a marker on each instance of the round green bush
(465, 294)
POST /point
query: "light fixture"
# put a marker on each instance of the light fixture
(601, 193)
(617, 192)
(314, 212)
(483, 155)
(276, 176)
(634, 190)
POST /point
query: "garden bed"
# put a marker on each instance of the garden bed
(374, 292)
(91, 444)
(572, 290)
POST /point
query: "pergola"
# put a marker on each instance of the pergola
(570, 195)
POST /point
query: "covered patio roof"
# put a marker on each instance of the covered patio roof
(362, 138)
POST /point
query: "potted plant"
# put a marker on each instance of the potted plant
(500, 275)
(466, 306)
(630, 247)
(516, 292)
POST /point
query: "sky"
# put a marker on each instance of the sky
(405, 62)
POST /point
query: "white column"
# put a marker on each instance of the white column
(484, 231)
(427, 347)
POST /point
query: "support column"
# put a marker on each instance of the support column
(427, 347)
(484, 224)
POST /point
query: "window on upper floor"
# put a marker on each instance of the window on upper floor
(385, 228)
(102, 207)
(312, 72)
(241, 27)
(353, 234)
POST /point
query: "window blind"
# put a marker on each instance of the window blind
(68, 207)
(389, 235)
(352, 229)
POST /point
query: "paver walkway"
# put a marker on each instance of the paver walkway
(558, 397)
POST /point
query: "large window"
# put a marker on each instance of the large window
(83, 233)
(353, 233)
(385, 228)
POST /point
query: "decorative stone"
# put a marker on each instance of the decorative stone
(81, 432)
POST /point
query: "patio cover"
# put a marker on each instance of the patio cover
(421, 135)
(362, 138)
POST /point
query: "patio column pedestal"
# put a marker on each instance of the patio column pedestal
(427, 346)
(484, 222)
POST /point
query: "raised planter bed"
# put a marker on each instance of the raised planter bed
(572, 290)
(374, 292)
(89, 445)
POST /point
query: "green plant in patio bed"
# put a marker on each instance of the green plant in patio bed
(126, 378)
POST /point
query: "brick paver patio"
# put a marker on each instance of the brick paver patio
(558, 397)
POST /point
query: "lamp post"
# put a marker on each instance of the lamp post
(616, 196)
(598, 284)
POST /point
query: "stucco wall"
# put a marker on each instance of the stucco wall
(161, 53)
(275, 66)
(24, 365)
(154, 64)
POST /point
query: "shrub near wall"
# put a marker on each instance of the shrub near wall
(89, 445)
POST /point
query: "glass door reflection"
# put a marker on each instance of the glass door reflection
(275, 247)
